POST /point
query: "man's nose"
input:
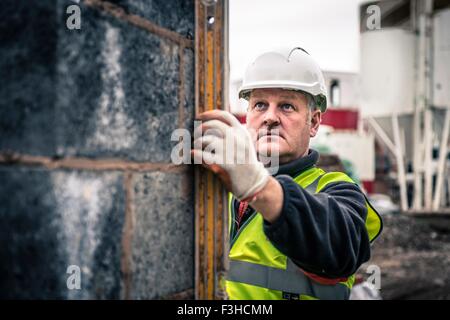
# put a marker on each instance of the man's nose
(271, 117)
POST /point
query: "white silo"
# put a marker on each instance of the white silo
(387, 72)
(405, 92)
(441, 58)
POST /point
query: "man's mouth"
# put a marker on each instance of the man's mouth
(269, 134)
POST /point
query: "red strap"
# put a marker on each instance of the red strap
(243, 205)
(322, 280)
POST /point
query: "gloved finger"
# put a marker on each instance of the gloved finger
(202, 130)
(214, 146)
(214, 127)
(221, 115)
(203, 157)
(199, 158)
(208, 140)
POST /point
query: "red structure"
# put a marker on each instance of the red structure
(346, 119)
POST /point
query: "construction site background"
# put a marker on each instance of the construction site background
(86, 178)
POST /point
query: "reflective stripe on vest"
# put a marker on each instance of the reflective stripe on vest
(291, 280)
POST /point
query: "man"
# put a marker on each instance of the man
(302, 233)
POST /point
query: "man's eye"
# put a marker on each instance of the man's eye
(259, 106)
(287, 107)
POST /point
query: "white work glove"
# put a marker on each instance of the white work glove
(238, 167)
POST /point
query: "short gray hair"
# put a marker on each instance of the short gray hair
(311, 102)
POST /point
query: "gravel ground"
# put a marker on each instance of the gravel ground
(413, 254)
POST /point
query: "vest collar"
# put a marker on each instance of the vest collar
(297, 166)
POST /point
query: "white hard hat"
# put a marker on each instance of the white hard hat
(292, 69)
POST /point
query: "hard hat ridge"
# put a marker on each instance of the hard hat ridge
(293, 70)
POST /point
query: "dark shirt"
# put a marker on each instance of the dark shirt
(323, 233)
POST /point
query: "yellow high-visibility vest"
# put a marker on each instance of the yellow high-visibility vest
(258, 270)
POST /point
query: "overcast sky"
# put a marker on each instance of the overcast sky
(327, 29)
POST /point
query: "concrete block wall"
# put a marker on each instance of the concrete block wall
(85, 174)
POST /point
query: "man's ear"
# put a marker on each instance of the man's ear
(316, 118)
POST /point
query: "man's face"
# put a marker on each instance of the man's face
(287, 113)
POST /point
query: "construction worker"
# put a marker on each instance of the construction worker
(301, 233)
